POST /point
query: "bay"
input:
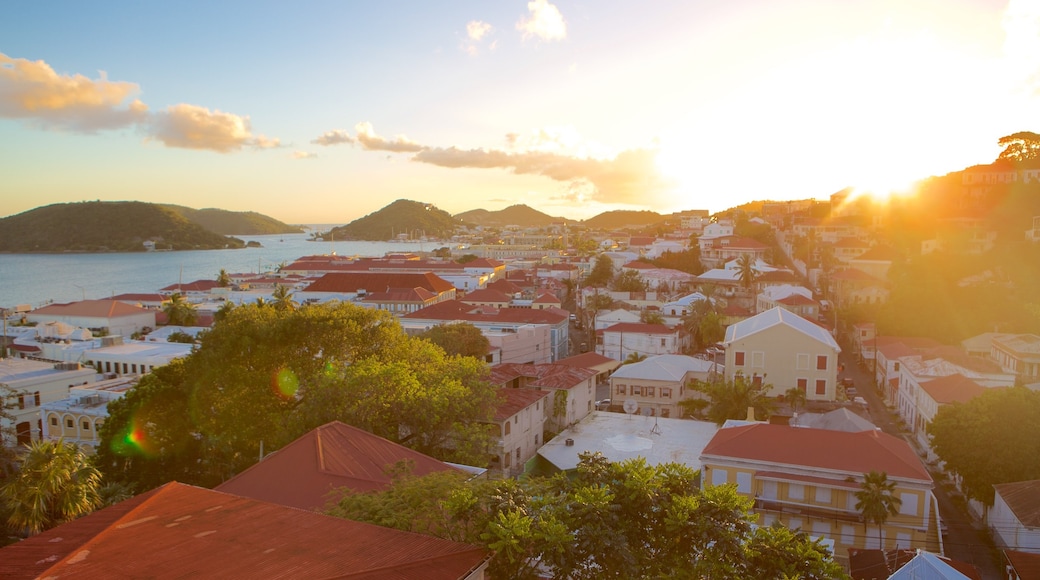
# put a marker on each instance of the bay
(40, 279)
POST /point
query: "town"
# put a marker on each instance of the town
(750, 347)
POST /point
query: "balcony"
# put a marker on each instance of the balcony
(806, 510)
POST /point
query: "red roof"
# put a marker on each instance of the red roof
(854, 453)
(93, 309)
(1026, 564)
(196, 286)
(487, 295)
(796, 300)
(955, 388)
(140, 297)
(504, 286)
(512, 401)
(547, 375)
(586, 360)
(547, 298)
(181, 531)
(303, 473)
(379, 281)
(459, 310)
(640, 327)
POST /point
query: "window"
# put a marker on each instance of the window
(719, 476)
(537, 405)
(650, 391)
(897, 367)
(662, 342)
(821, 362)
(803, 385)
(666, 392)
(536, 439)
(803, 361)
(756, 380)
(518, 454)
(821, 387)
(666, 413)
(758, 359)
(21, 400)
(795, 491)
(637, 390)
(69, 423)
(86, 425)
(909, 505)
(54, 421)
(507, 427)
(738, 358)
(823, 495)
(620, 390)
(36, 398)
(743, 482)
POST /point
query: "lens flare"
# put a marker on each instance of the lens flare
(134, 440)
(285, 383)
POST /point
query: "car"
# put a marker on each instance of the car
(603, 404)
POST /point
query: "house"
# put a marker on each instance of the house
(780, 348)
(852, 286)
(429, 289)
(807, 479)
(100, 316)
(797, 299)
(596, 362)
(841, 419)
(1019, 354)
(573, 388)
(930, 395)
(324, 463)
(1015, 515)
(718, 251)
(191, 532)
(876, 261)
(135, 357)
(520, 424)
(34, 383)
(77, 418)
(626, 338)
(658, 383)
(522, 344)
(607, 318)
(683, 305)
(196, 291)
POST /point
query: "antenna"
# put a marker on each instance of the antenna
(630, 406)
(656, 429)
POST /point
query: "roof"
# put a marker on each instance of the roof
(512, 401)
(547, 375)
(664, 367)
(836, 451)
(640, 327)
(181, 531)
(778, 317)
(92, 309)
(955, 388)
(547, 298)
(929, 566)
(487, 295)
(837, 420)
(457, 310)
(874, 564)
(196, 286)
(378, 281)
(1026, 564)
(303, 473)
(1023, 498)
(590, 360)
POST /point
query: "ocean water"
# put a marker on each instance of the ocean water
(39, 279)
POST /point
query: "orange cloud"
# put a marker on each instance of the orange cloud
(333, 137)
(32, 90)
(369, 140)
(193, 127)
(303, 155)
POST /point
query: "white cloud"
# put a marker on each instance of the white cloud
(303, 155)
(333, 137)
(193, 127)
(368, 139)
(33, 91)
(476, 30)
(545, 22)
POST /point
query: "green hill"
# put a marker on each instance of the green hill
(105, 226)
(621, 219)
(514, 215)
(235, 223)
(412, 218)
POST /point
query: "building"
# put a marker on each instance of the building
(573, 388)
(782, 349)
(135, 357)
(35, 383)
(101, 317)
(1015, 515)
(417, 290)
(77, 418)
(626, 338)
(807, 479)
(658, 383)
(520, 424)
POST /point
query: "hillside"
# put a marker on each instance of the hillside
(105, 226)
(620, 219)
(414, 219)
(514, 215)
(235, 223)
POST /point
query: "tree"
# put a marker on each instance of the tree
(731, 399)
(876, 500)
(178, 311)
(688, 261)
(1021, 146)
(56, 483)
(651, 317)
(628, 281)
(633, 357)
(993, 438)
(602, 272)
(795, 397)
(460, 338)
(282, 299)
(223, 279)
(748, 274)
(223, 311)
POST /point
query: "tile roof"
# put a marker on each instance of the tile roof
(1023, 497)
(547, 298)
(379, 281)
(512, 401)
(196, 286)
(181, 531)
(486, 295)
(548, 375)
(851, 453)
(93, 309)
(505, 286)
(641, 328)
(587, 360)
(1026, 564)
(955, 388)
(304, 473)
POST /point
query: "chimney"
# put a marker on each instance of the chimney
(750, 413)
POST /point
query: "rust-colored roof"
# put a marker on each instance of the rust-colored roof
(955, 388)
(547, 298)
(140, 297)
(796, 300)
(640, 327)
(1023, 497)
(379, 281)
(546, 375)
(588, 360)
(512, 401)
(181, 531)
(92, 309)
(196, 286)
(504, 286)
(1026, 564)
(853, 453)
(303, 473)
(487, 295)
(459, 310)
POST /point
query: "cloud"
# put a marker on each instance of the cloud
(628, 177)
(333, 137)
(32, 90)
(193, 127)
(369, 140)
(303, 155)
(545, 22)
(476, 30)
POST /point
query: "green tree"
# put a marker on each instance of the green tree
(602, 272)
(730, 399)
(223, 279)
(795, 397)
(628, 281)
(223, 311)
(993, 438)
(178, 311)
(688, 261)
(651, 317)
(877, 501)
(282, 298)
(459, 338)
(748, 274)
(55, 483)
(1021, 146)
(633, 357)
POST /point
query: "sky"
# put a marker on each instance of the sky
(323, 112)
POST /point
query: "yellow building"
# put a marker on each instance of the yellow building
(77, 418)
(807, 479)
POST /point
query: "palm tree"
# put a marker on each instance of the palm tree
(223, 279)
(746, 267)
(795, 397)
(56, 483)
(731, 399)
(282, 299)
(634, 358)
(179, 312)
(877, 500)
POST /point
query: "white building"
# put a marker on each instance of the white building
(35, 383)
(658, 383)
(1015, 515)
(77, 418)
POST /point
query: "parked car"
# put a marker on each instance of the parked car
(603, 405)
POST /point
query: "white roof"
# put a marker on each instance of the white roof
(837, 420)
(774, 317)
(720, 275)
(663, 367)
(688, 299)
(786, 290)
(926, 566)
(620, 436)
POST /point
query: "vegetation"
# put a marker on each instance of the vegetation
(688, 261)
(264, 376)
(459, 339)
(876, 500)
(628, 281)
(54, 484)
(234, 223)
(178, 311)
(602, 272)
(100, 226)
(516, 215)
(729, 400)
(993, 438)
(610, 520)
(620, 219)
(403, 216)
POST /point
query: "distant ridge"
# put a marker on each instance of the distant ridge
(106, 226)
(404, 217)
(514, 215)
(235, 223)
(620, 219)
